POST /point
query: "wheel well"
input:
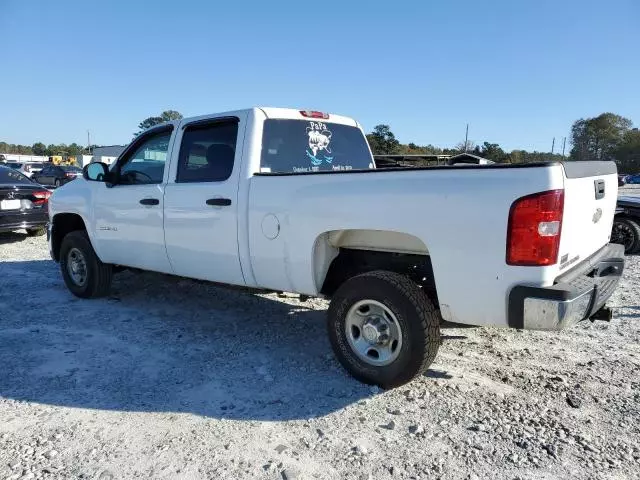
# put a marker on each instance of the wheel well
(64, 223)
(351, 262)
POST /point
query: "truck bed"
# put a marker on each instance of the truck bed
(456, 214)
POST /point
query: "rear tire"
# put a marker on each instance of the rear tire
(626, 231)
(36, 232)
(83, 272)
(400, 303)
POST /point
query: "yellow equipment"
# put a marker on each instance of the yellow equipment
(62, 160)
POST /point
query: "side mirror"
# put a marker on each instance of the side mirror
(96, 172)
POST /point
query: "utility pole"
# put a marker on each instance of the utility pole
(553, 144)
(88, 141)
(466, 140)
(564, 141)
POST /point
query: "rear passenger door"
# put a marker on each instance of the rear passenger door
(201, 204)
(40, 177)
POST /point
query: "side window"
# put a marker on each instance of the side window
(207, 152)
(146, 163)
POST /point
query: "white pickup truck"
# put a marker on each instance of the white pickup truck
(287, 200)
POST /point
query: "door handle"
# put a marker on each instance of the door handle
(149, 201)
(219, 202)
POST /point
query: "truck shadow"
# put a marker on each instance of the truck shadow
(12, 237)
(166, 344)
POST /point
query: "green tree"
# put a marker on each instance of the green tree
(382, 141)
(628, 152)
(492, 151)
(39, 148)
(516, 156)
(413, 149)
(598, 138)
(462, 147)
(56, 149)
(166, 116)
(74, 149)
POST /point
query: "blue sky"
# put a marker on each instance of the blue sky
(519, 72)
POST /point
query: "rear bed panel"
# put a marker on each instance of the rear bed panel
(591, 191)
(459, 214)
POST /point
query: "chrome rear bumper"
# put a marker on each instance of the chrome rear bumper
(576, 295)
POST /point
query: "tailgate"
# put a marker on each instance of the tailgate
(590, 195)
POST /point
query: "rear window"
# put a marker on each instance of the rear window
(15, 166)
(13, 177)
(71, 169)
(297, 146)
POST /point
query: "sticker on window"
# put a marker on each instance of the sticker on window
(319, 150)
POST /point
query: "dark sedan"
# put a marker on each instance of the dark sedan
(23, 203)
(56, 175)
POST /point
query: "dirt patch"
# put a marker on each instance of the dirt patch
(169, 378)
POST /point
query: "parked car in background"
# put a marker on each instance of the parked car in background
(31, 168)
(14, 165)
(26, 168)
(622, 180)
(23, 204)
(626, 224)
(56, 175)
(632, 179)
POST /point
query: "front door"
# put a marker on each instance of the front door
(201, 207)
(128, 214)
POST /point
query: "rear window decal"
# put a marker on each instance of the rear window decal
(319, 138)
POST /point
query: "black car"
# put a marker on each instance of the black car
(23, 203)
(56, 175)
(621, 180)
(626, 224)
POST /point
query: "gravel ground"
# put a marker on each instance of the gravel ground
(170, 378)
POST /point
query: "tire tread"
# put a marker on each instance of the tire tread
(103, 272)
(428, 324)
(635, 224)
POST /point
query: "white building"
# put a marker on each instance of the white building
(107, 154)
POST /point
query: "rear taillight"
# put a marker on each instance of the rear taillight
(535, 224)
(69, 175)
(41, 197)
(314, 114)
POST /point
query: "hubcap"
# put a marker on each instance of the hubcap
(373, 332)
(77, 267)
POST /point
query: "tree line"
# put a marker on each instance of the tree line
(40, 148)
(74, 149)
(605, 137)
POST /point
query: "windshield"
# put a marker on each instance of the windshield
(299, 146)
(12, 177)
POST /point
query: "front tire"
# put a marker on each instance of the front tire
(627, 232)
(83, 272)
(383, 328)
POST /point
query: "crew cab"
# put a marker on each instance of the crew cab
(287, 200)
